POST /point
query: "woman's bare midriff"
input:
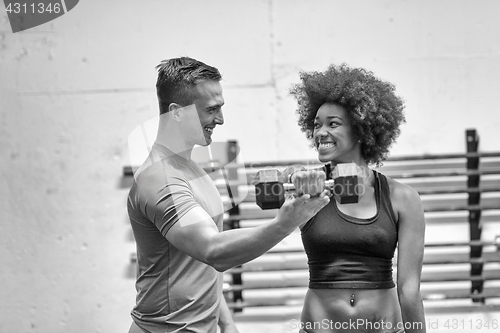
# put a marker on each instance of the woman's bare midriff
(351, 310)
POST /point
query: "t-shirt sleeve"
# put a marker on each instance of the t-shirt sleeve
(164, 199)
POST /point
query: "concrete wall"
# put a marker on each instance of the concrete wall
(73, 89)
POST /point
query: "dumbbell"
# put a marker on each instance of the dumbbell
(270, 189)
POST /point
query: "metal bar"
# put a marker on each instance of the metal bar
(474, 201)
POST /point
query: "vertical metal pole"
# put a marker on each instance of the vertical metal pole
(474, 201)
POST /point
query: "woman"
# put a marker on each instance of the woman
(352, 116)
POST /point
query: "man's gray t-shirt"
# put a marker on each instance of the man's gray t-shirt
(175, 292)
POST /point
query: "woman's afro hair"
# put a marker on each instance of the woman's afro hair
(374, 111)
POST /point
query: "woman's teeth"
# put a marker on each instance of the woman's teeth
(325, 145)
(209, 130)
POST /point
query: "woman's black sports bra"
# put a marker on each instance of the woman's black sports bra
(345, 252)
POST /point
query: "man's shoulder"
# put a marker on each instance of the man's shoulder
(160, 172)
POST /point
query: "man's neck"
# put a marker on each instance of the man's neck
(169, 135)
(175, 148)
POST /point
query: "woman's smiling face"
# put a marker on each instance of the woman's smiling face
(333, 136)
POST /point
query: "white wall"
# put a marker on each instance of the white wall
(73, 89)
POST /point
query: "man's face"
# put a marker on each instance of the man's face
(202, 119)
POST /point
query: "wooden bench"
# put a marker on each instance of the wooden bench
(461, 199)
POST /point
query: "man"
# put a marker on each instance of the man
(176, 213)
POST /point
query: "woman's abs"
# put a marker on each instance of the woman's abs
(351, 310)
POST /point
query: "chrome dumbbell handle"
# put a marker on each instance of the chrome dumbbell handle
(290, 187)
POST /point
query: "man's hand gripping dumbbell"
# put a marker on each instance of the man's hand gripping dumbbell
(272, 187)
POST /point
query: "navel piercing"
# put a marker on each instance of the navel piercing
(352, 300)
